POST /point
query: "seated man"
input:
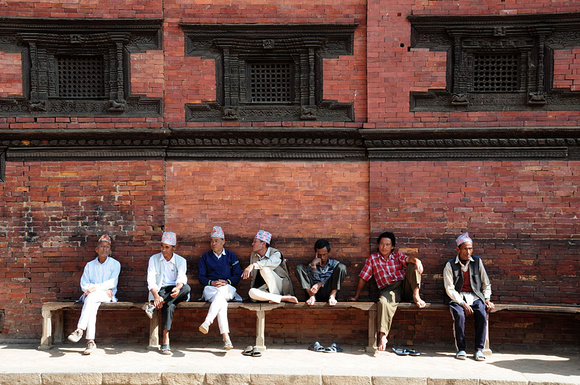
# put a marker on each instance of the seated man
(219, 271)
(322, 278)
(167, 284)
(273, 281)
(398, 278)
(468, 292)
(99, 284)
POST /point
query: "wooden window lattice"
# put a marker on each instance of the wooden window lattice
(271, 82)
(495, 73)
(81, 77)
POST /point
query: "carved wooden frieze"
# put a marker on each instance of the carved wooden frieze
(269, 72)
(78, 67)
(497, 62)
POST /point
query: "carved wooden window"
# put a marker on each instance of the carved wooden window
(269, 72)
(78, 67)
(496, 63)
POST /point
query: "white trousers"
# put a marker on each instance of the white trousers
(271, 290)
(91, 303)
(219, 297)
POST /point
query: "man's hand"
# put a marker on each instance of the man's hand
(315, 261)
(109, 293)
(314, 289)
(175, 292)
(247, 271)
(89, 291)
(468, 310)
(219, 283)
(158, 301)
(489, 305)
(352, 299)
(418, 266)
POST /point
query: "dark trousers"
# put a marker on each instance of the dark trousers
(458, 314)
(333, 283)
(171, 303)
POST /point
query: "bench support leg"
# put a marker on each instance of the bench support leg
(58, 326)
(46, 339)
(261, 329)
(372, 340)
(486, 349)
(154, 330)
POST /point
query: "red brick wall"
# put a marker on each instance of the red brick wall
(192, 79)
(393, 72)
(521, 215)
(298, 202)
(53, 214)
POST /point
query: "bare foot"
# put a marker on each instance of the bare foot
(418, 301)
(332, 301)
(311, 301)
(382, 342)
(289, 298)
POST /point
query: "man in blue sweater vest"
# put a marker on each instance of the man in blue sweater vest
(219, 271)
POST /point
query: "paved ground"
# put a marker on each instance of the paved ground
(122, 364)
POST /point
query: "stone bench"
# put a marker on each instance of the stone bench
(52, 316)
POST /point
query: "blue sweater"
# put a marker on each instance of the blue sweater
(227, 267)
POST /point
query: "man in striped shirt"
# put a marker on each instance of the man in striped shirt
(398, 277)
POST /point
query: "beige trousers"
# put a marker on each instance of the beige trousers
(391, 295)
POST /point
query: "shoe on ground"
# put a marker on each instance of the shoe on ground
(149, 310)
(228, 345)
(461, 355)
(479, 356)
(91, 346)
(204, 327)
(76, 335)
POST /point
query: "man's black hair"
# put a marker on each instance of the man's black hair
(387, 234)
(321, 244)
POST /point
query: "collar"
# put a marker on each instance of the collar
(457, 260)
(105, 261)
(220, 255)
(267, 255)
(162, 258)
(391, 255)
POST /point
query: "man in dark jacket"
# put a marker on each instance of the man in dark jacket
(468, 292)
(219, 271)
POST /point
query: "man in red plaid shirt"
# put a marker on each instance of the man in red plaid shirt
(398, 277)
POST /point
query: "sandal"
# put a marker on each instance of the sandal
(256, 352)
(316, 347)
(334, 348)
(248, 351)
(401, 352)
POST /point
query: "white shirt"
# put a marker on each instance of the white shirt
(161, 272)
(101, 276)
(460, 297)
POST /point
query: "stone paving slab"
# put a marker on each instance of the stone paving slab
(295, 365)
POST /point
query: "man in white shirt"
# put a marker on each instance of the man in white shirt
(272, 282)
(99, 284)
(167, 284)
(468, 291)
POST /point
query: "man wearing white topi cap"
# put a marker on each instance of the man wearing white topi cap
(270, 279)
(167, 284)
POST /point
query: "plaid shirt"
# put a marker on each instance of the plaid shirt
(386, 271)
